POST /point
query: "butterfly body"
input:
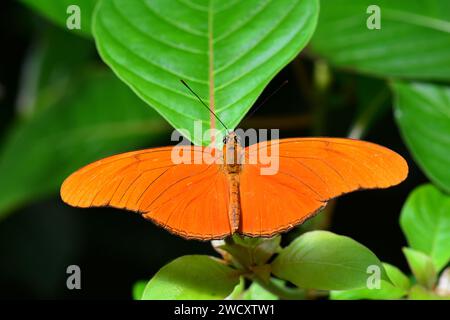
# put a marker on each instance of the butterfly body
(233, 155)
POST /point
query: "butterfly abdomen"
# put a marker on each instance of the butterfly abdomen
(233, 155)
(234, 211)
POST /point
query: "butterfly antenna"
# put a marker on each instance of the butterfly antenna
(266, 99)
(203, 103)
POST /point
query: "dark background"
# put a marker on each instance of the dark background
(116, 248)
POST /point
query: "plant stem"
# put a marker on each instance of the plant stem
(280, 291)
(322, 81)
(363, 121)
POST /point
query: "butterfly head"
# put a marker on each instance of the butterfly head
(232, 152)
(232, 139)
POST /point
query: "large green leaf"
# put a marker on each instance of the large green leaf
(422, 112)
(227, 51)
(99, 117)
(413, 42)
(387, 291)
(425, 221)
(326, 261)
(192, 278)
(56, 11)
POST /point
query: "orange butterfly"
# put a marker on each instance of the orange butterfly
(211, 201)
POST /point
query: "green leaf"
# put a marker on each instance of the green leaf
(387, 291)
(398, 278)
(256, 292)
(192, 278)
(425, 221)
(420, 293)
(99, 117)
(422, 112)
(138, 289)
(421, 266)
(326, 261)
(56, 11)
(413, 42)
(227, 51)
(238, 290)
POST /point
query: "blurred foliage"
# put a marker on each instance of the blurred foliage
(413, 41)
(310, 257)
(50, 66)
(57, 12)
(75, 131)
(423, 114)
(425, 220)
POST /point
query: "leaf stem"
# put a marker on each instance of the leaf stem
(322, 81)
(280, 291)
(363, 121)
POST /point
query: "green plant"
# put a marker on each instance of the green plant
(426, 224)
(306, 261)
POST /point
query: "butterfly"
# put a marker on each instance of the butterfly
(214, 200)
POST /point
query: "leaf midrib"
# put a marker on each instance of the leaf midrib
(343, 266)
(211, 68)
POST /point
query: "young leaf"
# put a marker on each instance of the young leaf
(327, 261)
(227, 51)
(422, 112)
(420, 293)
(421, 266)
(413, 40)
(425, 221)
(192, 278)
(57, 11)
(398, 278)
(99, 117)
(387, 291)
(51, 66)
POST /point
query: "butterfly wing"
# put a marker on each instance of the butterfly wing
(190, 200)
(311, 171)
